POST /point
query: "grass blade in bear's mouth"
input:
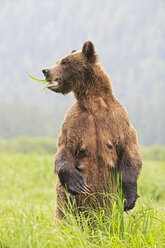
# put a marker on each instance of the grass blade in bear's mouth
(39, 80)
(42, 81)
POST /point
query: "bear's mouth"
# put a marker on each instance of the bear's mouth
(54, 84)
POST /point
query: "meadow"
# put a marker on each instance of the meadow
(27, 202)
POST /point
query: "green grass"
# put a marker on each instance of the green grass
(42, 81)
(27, 202)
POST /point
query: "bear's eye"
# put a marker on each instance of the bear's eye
(64, 61)
(82, 149)
(109, 145)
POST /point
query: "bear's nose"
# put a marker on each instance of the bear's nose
(45, 72)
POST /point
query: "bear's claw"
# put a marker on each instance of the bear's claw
(86, 189)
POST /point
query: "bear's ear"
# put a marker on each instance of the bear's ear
(89, 51)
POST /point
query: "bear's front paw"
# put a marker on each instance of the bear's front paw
(73, 181)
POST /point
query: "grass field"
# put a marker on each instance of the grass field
(27, 201)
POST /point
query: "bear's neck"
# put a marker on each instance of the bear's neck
(96, 92)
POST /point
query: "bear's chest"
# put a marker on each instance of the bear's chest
(93, 138)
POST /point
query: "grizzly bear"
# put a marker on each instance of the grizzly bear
(96, 137)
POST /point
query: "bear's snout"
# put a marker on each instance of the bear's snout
(45, 72)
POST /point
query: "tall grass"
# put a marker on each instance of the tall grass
(27, 199)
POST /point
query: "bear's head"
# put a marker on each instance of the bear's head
(73, 72)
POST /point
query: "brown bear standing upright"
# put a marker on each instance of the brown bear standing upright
(96, 135)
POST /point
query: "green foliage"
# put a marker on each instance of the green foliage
(28, 145)
(27, 200)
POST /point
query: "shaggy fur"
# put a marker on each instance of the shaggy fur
(96, 137)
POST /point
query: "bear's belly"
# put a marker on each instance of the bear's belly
(96, 155)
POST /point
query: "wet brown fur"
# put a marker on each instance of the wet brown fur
(96, 135)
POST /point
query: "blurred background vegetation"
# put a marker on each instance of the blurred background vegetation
(129, 37)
